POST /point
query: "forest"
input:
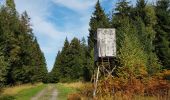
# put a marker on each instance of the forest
(142, 34)
(143, 52)
(21, 60)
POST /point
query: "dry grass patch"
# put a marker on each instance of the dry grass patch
(15, 89)
(76, 85)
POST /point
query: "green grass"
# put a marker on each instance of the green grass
(28, 93)
(24, 94)
(6, 97)
(64, 91)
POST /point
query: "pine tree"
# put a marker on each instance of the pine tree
(162, 41)
(98, 20)
(65, 60)
(86, 70)
(145, 22)
(11, 7)
(140, 9)
(71, 62)
(3, 70)
(131, 55)
(75, 64)
(39, 63)
(119, 20)
(19, 43)
(10, 44)
(10, 4)
(90, 64)
(55, 73)
(129, 48)
(123, 8)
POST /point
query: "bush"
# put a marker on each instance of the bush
(74, 97)
(128, 89)
(157, 87)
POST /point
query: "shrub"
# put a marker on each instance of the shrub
(74, 96)
(115, 88)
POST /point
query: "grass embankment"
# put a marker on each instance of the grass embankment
(21, 92)
(64, 89)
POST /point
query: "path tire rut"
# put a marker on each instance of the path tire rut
(49, 93)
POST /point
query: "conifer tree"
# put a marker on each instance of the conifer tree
(10, 4)
(119, 20)
(98, 20)
(123, 8)
(140, 9)
(11, 45)
(71, 62)
(19, 44)
(11, 7)
(39, 64)
(55, 73)
(75, 64)
(3, 70)
(86, 69)
(162, 41)
(145, 23)
(131, 55)
(65, 60)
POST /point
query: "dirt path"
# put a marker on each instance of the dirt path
(49, 93)
(54, 95)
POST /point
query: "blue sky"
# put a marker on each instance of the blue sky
(54, 20)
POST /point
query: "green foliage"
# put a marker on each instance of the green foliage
(145, 23)
(162, 28)
(19, 48)
(3, 71)
(123, 9)
(135, 36)
(10, 4)
(71, 63)
(119, 20)
(98, 20)
(132, 56)
(138, 33)
(75, 68)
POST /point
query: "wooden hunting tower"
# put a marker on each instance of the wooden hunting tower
(105, 44)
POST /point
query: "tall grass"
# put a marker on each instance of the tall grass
(27, 94)
(21, 92)
(75, 85)
(67, 89)
(15, 89)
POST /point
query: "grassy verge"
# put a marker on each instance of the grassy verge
(64, 90)
(22, 92)
(26, 94)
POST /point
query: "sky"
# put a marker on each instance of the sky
(54, 20)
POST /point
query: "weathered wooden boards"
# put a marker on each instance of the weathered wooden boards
(105, 43)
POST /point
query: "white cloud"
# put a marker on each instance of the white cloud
(76, 5)
(50, 35)
(42, 26)
(38, 11)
